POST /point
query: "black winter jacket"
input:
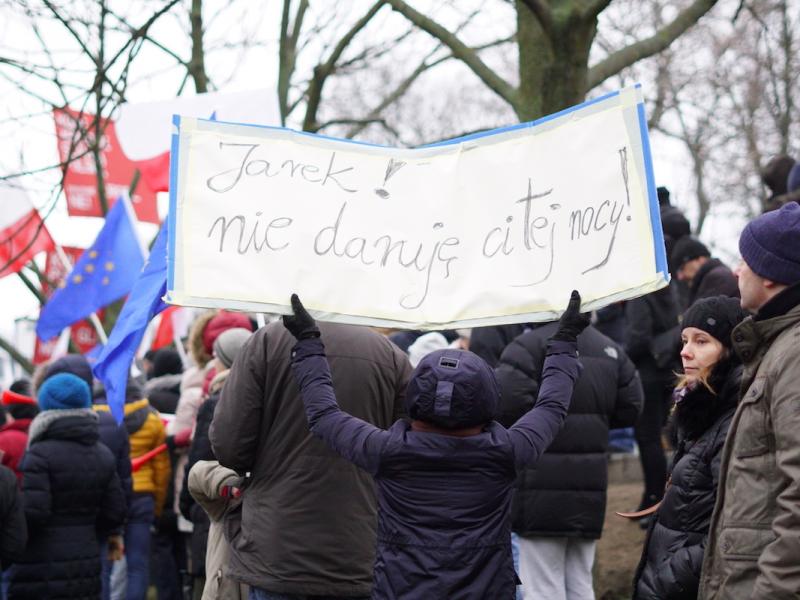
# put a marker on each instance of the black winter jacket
(115, 438)
(489, 342)
(652, 338)
(13, 530)
(73, 498)
(713, 279)
(164, 392)
(675, 544)
(564, 493)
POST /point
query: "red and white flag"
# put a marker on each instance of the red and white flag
(144, 129)
(74, 131)
(23, 233)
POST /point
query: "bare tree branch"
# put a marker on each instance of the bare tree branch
(460, 51)
(541, 10)
(627, 56)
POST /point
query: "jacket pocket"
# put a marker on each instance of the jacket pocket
(751, 437)
(744, 543)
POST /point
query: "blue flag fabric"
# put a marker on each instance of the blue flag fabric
(114, 363)
(104, 273)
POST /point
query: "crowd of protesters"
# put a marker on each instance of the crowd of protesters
(315, 460)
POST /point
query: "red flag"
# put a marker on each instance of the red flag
(166, 329)
(23, 234)
(80, 182)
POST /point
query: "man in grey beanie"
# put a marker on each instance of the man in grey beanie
(754, 542)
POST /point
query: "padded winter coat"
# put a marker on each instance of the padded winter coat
(13, 529)
(146, 431)
(754, 540)
(73, 499)
(444, 526)
(13, 440)
(308, 517)
(564, 493)
(675, 545)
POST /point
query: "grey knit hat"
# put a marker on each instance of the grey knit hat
(229, 343)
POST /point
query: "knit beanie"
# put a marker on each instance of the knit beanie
(717, 316)
(166, 362)
(685, 249)
(229, 343)
(223, 321)
(424, 345)
(64, 390)
(75, 364)
(770, 244)
(452, 389)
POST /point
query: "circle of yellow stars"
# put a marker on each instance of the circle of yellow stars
(89, 268)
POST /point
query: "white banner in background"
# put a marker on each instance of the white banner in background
(493, 228)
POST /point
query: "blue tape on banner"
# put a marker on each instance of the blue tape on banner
(652, 196)
(173, 201)
(525, 125)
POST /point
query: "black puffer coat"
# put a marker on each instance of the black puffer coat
(489, 342)
(564, 493)
(675, 544)
(652, 340)
(72, 498)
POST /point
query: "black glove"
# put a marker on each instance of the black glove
(572, 322)
(301, 324)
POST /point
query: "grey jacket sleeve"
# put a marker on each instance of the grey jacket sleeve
(239, 422)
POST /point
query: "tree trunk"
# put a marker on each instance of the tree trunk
(553, 60)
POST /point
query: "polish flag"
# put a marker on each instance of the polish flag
(23, 233)
(144, 129)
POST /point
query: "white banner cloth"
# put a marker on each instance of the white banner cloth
(493, 228)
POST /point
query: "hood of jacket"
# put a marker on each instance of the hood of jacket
(196, 348)
(136, 414)
(75, 424)
(165, 382)
(17, 425)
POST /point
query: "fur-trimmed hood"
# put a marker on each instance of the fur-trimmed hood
(196, 348)
(84, 423)
(165, 382)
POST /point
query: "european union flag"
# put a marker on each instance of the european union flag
(104, 273)
(114, 363)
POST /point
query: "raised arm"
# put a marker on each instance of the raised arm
(534, 432)
(357, 441)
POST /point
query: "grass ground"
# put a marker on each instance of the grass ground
(619, 549)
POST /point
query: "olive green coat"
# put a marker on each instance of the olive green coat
(754, 543)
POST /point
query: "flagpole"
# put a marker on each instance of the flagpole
(93, 318)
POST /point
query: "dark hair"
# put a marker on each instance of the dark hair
(21, 386)
(23, 411)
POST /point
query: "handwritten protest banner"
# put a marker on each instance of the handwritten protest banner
(492, 228)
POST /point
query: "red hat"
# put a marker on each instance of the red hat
(222, 322)
(10, 397)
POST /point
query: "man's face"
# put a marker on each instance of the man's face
(752, 287)
(690, 269)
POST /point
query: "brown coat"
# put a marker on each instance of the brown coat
(308, 520)
(754, 543)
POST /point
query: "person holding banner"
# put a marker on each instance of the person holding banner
(446, 477)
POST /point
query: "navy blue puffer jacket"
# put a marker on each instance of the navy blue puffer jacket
(73, 499)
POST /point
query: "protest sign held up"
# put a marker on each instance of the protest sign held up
(492, 228)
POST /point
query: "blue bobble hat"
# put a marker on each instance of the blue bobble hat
(452, 389)
(64, 390)
(770, 244)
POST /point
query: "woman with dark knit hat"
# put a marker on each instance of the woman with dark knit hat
(72, 496)
(705, 400)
